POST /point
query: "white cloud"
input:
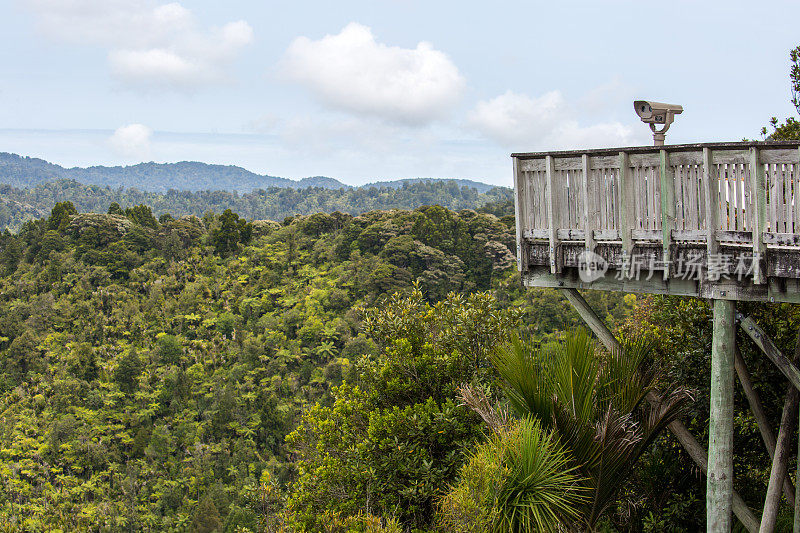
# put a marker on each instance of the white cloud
(148, 44)
(132, 141)
(522, 122)
(352, 72)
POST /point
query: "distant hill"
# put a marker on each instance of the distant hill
(24, 172)
(396, 184)
(29, 187)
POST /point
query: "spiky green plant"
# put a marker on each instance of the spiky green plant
(595, 402)
(541, 489)
(521, 480)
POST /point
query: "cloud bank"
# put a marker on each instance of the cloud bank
(149, 45)
(353, 72)
(131, 142)
(519, 121)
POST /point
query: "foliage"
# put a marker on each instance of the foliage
(142, 373)
(229, 232)
(389, 443)
(20, 203)
(794, 76)
(596, 404)
(789, 130)
(520, 480)
(60, 216)
(140, 214)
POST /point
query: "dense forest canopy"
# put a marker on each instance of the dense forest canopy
(18, 205)
(151, 369)
(214, 373)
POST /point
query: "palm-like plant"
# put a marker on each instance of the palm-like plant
(594, 401)
(540, 489)
(520, 480)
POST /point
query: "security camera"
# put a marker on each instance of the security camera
(654, 113)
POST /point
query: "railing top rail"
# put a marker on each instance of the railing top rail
(655, 149)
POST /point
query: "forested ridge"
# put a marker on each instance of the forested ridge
(25, 172)
(18, 205)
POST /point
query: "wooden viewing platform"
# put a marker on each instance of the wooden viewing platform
(719, 221)
(726, 214)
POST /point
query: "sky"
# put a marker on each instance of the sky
(376, 90)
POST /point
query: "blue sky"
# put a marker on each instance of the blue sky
(376, 90)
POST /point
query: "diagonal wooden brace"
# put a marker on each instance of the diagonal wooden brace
(787, 367)
(696, 451)
(762, 421)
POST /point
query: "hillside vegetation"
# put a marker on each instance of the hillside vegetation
(218, 374)
(18, 205)
(151, 369)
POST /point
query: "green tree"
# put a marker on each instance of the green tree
(128, 370)
(60, 216)
(396, 438)
(790, 129)
(207, 519)
(231, 231)
(115, 209)
(83, 364)
(596, 404)
(142, 215)
(23, 356)
(520, 480)
(169, 349)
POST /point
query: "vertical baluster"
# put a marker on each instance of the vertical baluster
(795, 173)
(589, 203)
(627, 203)
(786, 178)
(732, 180)
(711, 196)
(520, 208)
(667, 208)
(758, 186)
(701, 191)
(553, 211)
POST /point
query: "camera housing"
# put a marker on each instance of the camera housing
(657, 113)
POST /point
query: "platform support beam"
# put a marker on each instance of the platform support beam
(695, 450)
(796, 526)
(719, 482)
(788, 368)
(779, 461)
(763, 422)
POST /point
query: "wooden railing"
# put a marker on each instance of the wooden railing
(720, 194)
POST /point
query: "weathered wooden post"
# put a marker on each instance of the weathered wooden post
(719, 483)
